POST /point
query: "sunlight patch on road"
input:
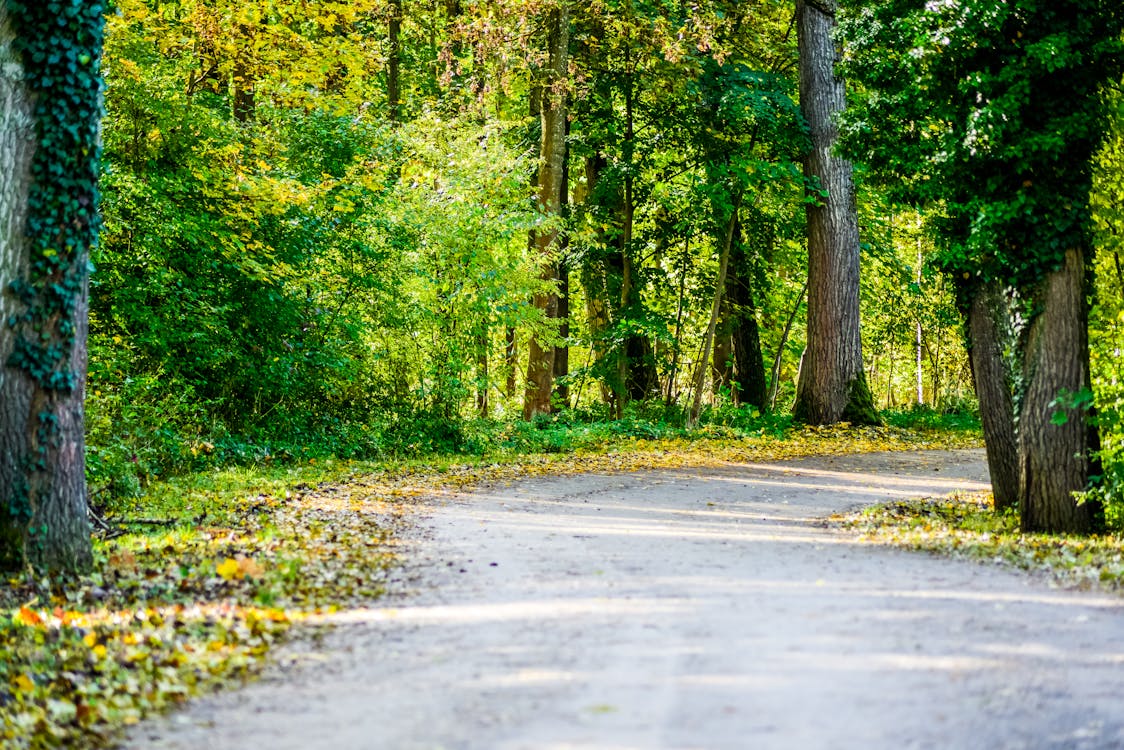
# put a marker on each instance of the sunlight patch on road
(545, 609)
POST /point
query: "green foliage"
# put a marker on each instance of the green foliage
(308, 283)
(285, 276)
(992, 111)
(924, 418)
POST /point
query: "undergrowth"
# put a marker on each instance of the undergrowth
(129, 449)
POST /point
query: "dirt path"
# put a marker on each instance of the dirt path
(694, 609)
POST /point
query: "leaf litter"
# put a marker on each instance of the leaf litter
(966, 525)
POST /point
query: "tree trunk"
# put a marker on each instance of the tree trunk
(510, 361)
(1054, 454)
(918, 338)
(989, 335)
(243, 77)
(483, 376)
(833, 384)
(677, 345)
(778, 358)
(43, 519)
(394, 63)
(562, 352)
(597, 287)
(722, 361)
(637, 368)
(552, 155)
(719, 287)
(749, 363)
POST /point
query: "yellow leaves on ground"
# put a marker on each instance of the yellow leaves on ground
(966, 525)
(239, 567)
(73, 678)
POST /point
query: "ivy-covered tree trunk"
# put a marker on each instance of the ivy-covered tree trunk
(832, 383)
(50, 110)
(988, 337)
(552, 155)
(1056, 438)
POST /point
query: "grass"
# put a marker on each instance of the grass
(965, 525)
(211, 570)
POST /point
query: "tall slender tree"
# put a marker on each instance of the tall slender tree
(832, 383)
(552, 156)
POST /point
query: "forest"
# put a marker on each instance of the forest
(272, 269)
(377, 228)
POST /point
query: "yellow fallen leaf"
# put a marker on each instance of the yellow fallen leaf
(24, 683)
(228, 570)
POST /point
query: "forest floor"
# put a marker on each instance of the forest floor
(707, 607)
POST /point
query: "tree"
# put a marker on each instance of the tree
(832, 384)
(49, 139)
(992, 112)
(552, 156)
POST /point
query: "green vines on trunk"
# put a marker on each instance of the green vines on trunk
(60, 43)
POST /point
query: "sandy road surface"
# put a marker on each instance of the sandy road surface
(693, 609)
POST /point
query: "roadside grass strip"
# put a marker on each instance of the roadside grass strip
(966, 525)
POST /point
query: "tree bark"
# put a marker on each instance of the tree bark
(832, 385)
(637, 371)
(483, 376)
(510, 361)
(243, 78)
(552, 155)
(722, 361)
(1055, 455)
(43, 520)
(749, 363)
(719, 287)
(595, 282)
(562, 351)
(989, 334)
(778, 358)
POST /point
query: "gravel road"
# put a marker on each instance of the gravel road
(692, 609)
